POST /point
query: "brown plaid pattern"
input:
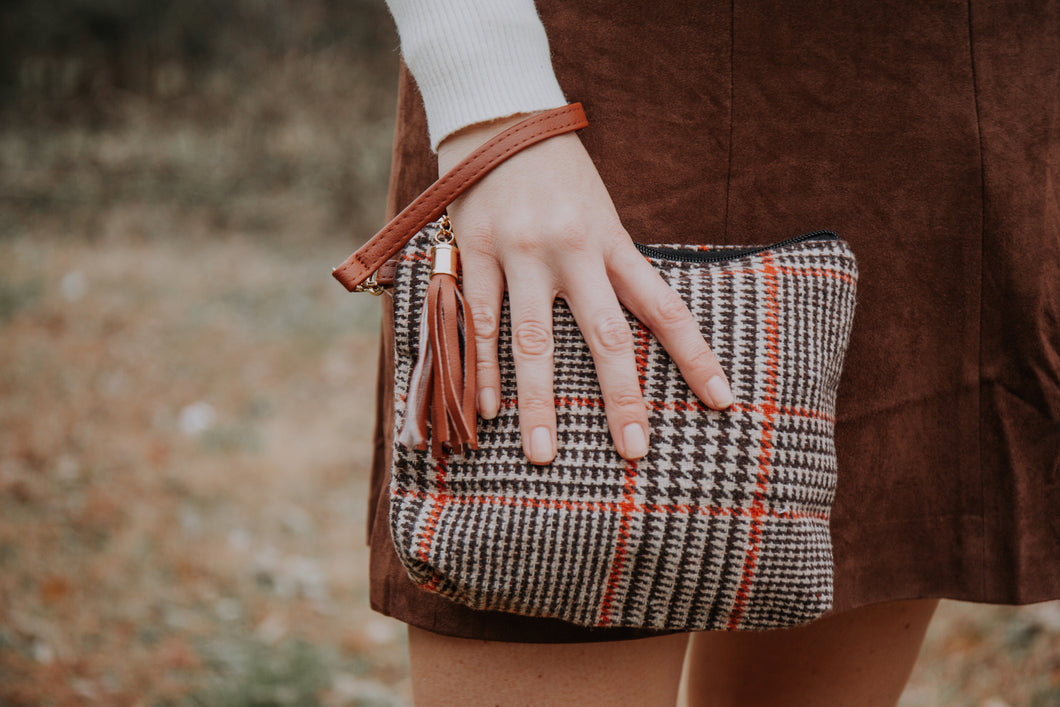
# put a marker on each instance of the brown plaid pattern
(723, 525)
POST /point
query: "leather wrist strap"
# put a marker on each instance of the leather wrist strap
(360, 267)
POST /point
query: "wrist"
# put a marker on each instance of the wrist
(459, 144)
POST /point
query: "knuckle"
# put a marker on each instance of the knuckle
(517, 234)
(485, 320)
(522, 245)
(624, 400)
(618, 245)
(474, 236)
(486, 359)
(704, 362)
(534, 407)
(670, 309)
(532, 338)
(612, 334)
(570, 237)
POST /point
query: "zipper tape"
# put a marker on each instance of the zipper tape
(722, 254)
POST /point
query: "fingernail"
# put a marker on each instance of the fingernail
(634, 440)
(719, 392)
(541, 445)
(487, 403)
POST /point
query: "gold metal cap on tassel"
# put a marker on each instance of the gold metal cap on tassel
(444, 259)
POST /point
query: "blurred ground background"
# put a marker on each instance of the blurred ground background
(185, 394)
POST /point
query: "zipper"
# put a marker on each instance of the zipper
(718, 255)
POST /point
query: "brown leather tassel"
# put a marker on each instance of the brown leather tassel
(442, 386)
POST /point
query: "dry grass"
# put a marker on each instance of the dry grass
(184, 435)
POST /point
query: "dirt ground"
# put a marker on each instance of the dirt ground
(186, 405)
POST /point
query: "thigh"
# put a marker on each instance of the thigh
(857, 658)
(458, 671)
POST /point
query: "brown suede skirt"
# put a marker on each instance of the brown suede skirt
(928, 136)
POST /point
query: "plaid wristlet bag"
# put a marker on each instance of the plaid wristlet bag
(723, 525)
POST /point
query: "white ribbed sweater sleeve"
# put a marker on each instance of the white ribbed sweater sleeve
(476, 60)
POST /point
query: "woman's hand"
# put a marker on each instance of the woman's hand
(542, 224)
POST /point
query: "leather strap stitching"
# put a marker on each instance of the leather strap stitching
(433, 201)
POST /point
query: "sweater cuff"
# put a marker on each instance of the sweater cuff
(476, 60)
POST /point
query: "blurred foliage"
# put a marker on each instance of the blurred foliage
(270, 117)
(250, 674)
(15, 296)
(53, 52)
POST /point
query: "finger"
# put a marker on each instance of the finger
(607, 333)
(653, 302)
(483, 285)
(530, 297)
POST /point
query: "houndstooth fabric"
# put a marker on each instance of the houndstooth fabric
(723, 525)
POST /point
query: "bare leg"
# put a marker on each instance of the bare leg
(859, 658)
(456, 671)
